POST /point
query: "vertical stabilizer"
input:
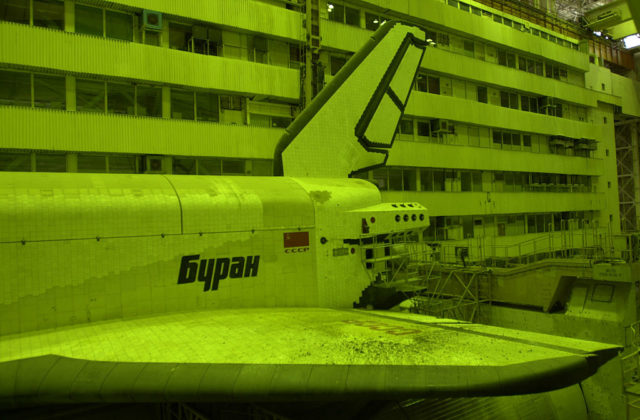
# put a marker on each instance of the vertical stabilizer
(352, 122)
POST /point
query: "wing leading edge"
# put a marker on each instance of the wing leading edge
(285, 354)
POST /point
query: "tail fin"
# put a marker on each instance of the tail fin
(354, 118)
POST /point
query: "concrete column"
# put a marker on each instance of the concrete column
(164, 35)
(69, 15)
(70, 84)
(166, 102)
(72, 162)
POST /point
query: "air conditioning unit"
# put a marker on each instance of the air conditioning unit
(440, 126)
(153, 165)
(152, 20)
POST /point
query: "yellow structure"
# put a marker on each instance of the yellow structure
(509, 134)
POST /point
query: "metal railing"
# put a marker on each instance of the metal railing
(590, 243)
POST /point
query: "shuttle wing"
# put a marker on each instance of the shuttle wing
(285, 354)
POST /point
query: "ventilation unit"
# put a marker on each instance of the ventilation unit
(153, 165)
(440, 126)
(152, 20)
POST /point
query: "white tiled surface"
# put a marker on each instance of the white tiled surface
(289, 335)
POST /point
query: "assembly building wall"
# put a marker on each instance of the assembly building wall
(518, 101)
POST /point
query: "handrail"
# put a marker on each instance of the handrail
(592, 242)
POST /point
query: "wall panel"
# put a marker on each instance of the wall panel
(26, 128)
(25, 46)
(243, 14)
(433, 155)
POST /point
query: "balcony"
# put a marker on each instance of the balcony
(45, 129)
(40, 48)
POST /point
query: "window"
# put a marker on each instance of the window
(468, 48)
(92, 163)
(343, 14)
(453, 3)
(121, 164)
(15, 11)
(538, 68)
(372, 21)
(502, 57)
(482, 94)
(513, 101)
(104, 23)
(49, 91)
(149, 101)
(395, 179)
(380, 178)
(526, 140)
(507, 22)
(232, 167)
(434, 85)
(15, 161)
(48, 14)
(426, 180)
(89, 20)
(465, 181)
(476, 10)
(209, 166)
(524, 102)
(120, 98)
(443, 39)
(406, 126)
(207, 106)
(336, 12)
(409, 180)
(497, 139)
(182, 104)
(119, 25)
(511, 60)
(51, 162)
(15, 88)
(352, 16)
(179, 36)
(506, 140)
(421, 83)
(231, 102)
(477, 181)
(464, 7)
(336, 64)
(90, 95)
(184, 166)
(438, 180)
(504, 99)
(423, 128)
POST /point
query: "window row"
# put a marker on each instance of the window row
(25, 161)
(465, 7)
(455, 133)
(489, 53)
(453, 180)
(115, 97)
(116, 24)
(442, 228)
(443, 85)
(548, 69)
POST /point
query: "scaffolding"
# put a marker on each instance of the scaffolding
(455, 293)
(628, 173)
